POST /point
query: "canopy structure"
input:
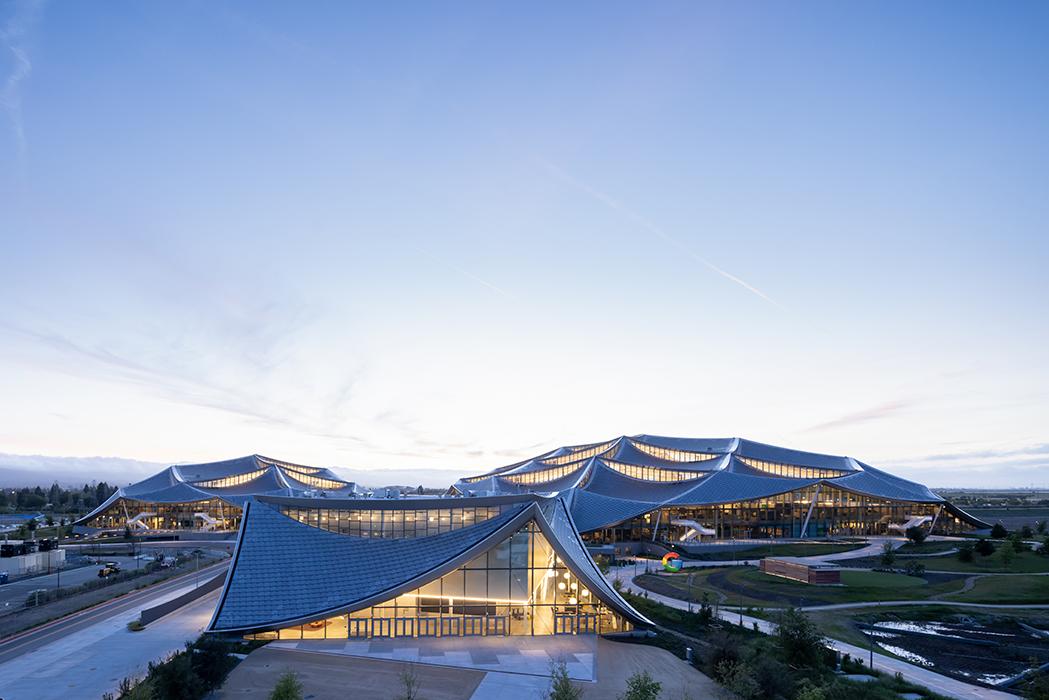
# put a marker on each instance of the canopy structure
(632, 486)
(209, 496)
(345, 568)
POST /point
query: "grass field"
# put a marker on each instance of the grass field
(927, 547)
(750, 587)
(1007, 589)
(790, 549)
(1023, 563)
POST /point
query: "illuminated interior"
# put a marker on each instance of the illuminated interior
(673, 455)
(652, 473)
(792, 470)
(234, 480)
(519, 587)
(544, 476)
(391, 522)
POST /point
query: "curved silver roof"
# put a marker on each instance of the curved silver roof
(232, 480)
(640, 473)
(287, 573)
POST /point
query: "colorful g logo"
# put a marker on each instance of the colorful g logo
(672, 562)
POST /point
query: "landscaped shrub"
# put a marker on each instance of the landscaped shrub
(916, 534)
(641, 686)
(288, 688)
(965, 552)
(984, 547)
(561, 687)
(915, 568)
(888, 556)
(999, 532)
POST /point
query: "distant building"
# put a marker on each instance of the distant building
(208, 497)
(652, 488)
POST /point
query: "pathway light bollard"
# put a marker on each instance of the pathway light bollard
(688, 654)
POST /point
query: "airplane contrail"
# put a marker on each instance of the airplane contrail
(644, 223)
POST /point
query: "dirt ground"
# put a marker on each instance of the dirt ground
(329, 676)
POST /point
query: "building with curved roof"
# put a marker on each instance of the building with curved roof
(209, 496)
(649, 487)
(437, 567)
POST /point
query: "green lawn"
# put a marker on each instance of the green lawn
(1023, 563)
(1006, 590)
(750, 587)
(789, 549)
(927, 547)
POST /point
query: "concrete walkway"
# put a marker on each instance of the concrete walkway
(875, 546)
(530, 656)
(915, 674)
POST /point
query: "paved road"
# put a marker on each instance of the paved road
(92, 660)
(915, 674)
(13, 595)
(39, 637)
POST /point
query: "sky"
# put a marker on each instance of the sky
(451, 236)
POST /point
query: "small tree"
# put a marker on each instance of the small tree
(641, 686)
(915, 568)
(984, 547)
(916, 534)
(1026, 532)
(888, 555)
(800, 639)
(1006, 556)
(1017, 542)
(409, 684)
(1040, 527)
(561, 687)
(288, 687)
(999, 532)
(965, 552)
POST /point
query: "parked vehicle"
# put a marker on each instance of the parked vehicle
(108, 569)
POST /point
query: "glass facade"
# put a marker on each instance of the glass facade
(834, 512)
(791, 470)
(652, 473)
(227, 481)
(392, 522)
(582, 453)
(168, 516)
(315, 481)
(673, 455)
(519, 587)
(544, 476)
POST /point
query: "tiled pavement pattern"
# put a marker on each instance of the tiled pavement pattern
(531, 656)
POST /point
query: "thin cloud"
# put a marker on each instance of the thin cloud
(464, 273)
(644, 223)
(13, 33)
(876, 413)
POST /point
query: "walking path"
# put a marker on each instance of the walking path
(915, 674)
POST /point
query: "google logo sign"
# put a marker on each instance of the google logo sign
(672, 562)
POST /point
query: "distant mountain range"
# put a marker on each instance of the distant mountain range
(17, 471)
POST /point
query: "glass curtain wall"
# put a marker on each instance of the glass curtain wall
(168, 516)
(392, 522)
(519, 587)
(836, 512)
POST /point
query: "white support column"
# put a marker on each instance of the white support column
(815, 497)
(655, 530)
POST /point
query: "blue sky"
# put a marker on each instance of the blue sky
(454, 236)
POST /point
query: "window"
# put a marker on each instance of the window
(544, 476)
(227, 481)
(673, 455)
(652, 473)
(793, 471)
